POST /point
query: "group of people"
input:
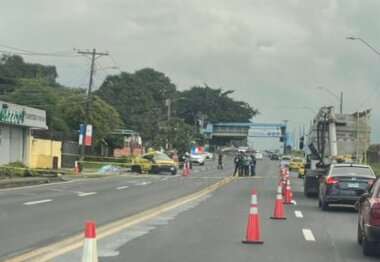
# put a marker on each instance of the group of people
(245, 165)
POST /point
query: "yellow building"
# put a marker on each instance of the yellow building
(44, 153)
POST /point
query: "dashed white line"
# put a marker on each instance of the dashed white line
(37, 202)
(308, 234)
(122, 187)
(83, 194)
(298, 214)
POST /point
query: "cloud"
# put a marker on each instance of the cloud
(273, 53)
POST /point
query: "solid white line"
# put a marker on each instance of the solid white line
(86, 194)
(121, 187)
(37, 202)
(308, 234)
(298, 214)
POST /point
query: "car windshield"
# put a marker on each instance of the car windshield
(351, 171)
(161, 157)
(285, 158)
(297, 160)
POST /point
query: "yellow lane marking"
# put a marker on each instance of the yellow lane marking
(54, 250)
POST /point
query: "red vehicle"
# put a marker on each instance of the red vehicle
(369, 219)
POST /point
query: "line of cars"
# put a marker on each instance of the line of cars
(356, 185)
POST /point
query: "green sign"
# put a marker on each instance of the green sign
(12, 117)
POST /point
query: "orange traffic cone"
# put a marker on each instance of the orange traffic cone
(186, 169)
(253, 226)
(90, 253)
(279, 211)
(288, 193)
(76, 168)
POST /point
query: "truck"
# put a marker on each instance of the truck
(334, 138)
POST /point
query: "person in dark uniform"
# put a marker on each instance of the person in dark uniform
(237, 162)
(253, 165)
(220, 160)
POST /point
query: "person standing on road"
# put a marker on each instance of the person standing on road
(237, 162)
(244, 165)
(253, 165)
(220, 160)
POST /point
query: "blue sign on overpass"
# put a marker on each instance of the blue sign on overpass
(226, 132)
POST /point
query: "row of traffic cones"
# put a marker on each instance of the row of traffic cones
(253, 232)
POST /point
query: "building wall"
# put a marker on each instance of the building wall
(13, 144)
(43, 152)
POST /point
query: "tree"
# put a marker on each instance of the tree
(140, 100)
(212, 105)
(13, 68)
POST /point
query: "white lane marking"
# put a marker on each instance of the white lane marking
(298, 214)
(308, 234)
(121, 187)
(83, 194)
(37, 202)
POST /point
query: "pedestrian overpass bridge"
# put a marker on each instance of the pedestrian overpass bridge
(221, 134)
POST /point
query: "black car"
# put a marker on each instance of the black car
(274, 157)
(344, 184)
(369, 219)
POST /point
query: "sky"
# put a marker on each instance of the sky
(274, 54)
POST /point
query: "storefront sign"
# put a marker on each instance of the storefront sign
(13, 114)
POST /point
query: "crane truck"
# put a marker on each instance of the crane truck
(334, 138)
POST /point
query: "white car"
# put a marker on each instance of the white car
(208, 155)
(198, 159)
(259, 155)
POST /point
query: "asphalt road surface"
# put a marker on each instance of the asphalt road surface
(208, 229)
(35, 216)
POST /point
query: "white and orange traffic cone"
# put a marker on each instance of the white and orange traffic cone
(76, 168)
(90, 253)
(186, 168)
(279, 211)
(253, 226)
(288, 200)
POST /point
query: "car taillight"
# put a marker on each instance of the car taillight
(375, 214)
(331, 181)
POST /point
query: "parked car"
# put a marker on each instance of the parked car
(198, 158)
(154, 162)
(259, 155)
(369, 219)
(208, 155)
(344, 184)
(274, 157)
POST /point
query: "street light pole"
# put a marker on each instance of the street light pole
(339, 98)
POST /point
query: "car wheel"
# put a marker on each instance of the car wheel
(202, 164)
(368, 247)
(174, 172)
(360, 235)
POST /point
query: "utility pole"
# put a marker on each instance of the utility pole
(94, 55)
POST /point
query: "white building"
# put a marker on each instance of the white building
(16, 122)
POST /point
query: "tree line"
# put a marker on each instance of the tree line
(137, 101)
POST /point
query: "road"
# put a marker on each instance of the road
(35, 216)
(208, 229)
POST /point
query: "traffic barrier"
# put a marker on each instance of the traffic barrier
(90, 253)
(253, 225)
(288, 200)
(279, 211)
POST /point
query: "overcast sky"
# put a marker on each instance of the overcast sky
(273, 53)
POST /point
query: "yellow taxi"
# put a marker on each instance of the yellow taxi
(154, 162)
(296, 164)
